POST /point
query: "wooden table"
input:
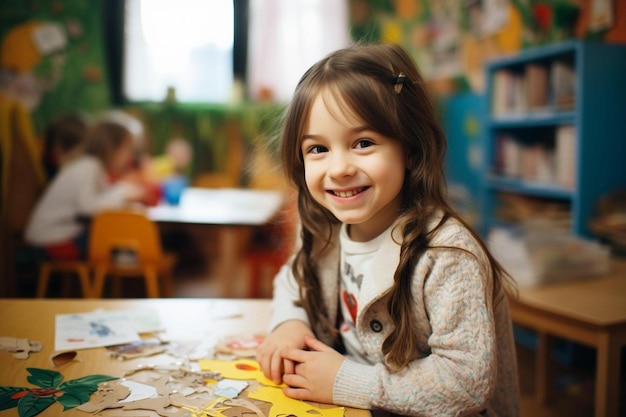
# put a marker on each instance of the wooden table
(183, 319)
(591, 312)
(232, 212)
(220, 207)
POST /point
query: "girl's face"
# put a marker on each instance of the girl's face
(122, 158)
(351, 170)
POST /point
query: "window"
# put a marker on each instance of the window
(199, 47)
(184, 46)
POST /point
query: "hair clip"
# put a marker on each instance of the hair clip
(398, 82)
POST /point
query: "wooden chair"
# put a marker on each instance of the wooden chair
(80, 268)
(124, 243)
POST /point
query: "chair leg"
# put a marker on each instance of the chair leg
(44, 276)
(83, 274)
(152, 282)
(116, 286)
(166, 280)
(98, 283)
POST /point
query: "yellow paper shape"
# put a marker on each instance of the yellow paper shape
(284, 406)
(245, 369)
(211, 409)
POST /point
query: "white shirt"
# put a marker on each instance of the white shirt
(81, 188)
(355, 257)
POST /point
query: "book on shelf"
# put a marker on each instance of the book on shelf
(562, 85)
(565, 156)
(537, 164)
(531, 162)
(536, 76)
(500, 82)
(511, 156)
(508, 93)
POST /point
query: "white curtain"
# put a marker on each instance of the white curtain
(286, 37)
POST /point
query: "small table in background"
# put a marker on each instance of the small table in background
(590, 311)
(229, 210)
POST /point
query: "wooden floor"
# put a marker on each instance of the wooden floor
(573, 383)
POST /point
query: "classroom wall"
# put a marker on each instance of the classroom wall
(449, 39)
(66, 70)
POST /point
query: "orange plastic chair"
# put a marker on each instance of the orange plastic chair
(80, 268)
(124, 243)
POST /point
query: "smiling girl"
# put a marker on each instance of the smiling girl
(390, 302)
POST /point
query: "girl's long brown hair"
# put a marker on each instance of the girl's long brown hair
(364, 78)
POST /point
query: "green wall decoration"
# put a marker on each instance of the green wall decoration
(68, 75)
(452, 39)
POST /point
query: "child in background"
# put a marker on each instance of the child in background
(64, 140)
(390, 302)
(136, 174)
(168, 172)
(84, 186)
(173, 162)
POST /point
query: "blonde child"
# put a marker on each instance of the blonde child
(174, 162)
(84, 186)
(390, 302)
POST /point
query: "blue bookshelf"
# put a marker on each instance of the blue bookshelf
(463, 121)
(555, 129)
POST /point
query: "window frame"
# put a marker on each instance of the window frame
(114, 28)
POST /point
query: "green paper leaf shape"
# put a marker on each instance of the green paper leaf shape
(78, 391)
(30, 402)
(30, 406)
(74, 397)
(44, 378)
(6, 393)
(91, 380)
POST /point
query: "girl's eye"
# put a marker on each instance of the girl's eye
(364, 143)
(316, 149)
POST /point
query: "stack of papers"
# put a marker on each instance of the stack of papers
(542, 256)
(103, 328)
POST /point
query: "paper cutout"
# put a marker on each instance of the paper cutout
(142, 348)
(180, 371)
(153, 390)
(181, 348)
(239, 346)
(51, 389)
(213, 409)
(63, 358)
(195, 401)
(49, 38)
(20, 347)
(157, 405)
(229, 388)
(108, 395)
(245, 404)
(247, 369)
(283, 405)
(138, 391)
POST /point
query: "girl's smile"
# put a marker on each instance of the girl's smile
(347, 193)
(351, 170)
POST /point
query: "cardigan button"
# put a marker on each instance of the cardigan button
(376, 326)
